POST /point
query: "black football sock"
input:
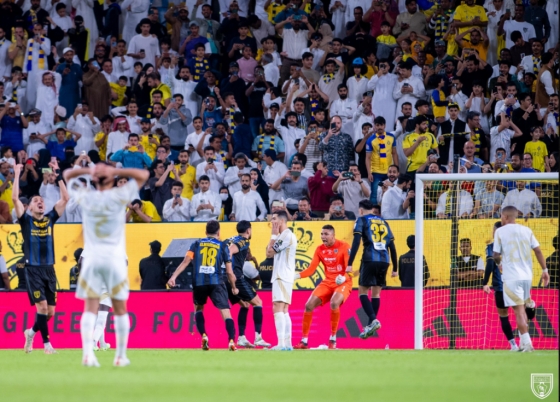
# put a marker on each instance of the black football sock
(230, 327)
(375, 303)
(368, 308)
(531, 312)
(43, 327)
(257, 318)
(199, 318)
(36, 327)
(506, 328)
(242, 320)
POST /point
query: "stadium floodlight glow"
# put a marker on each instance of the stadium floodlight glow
(448, 314)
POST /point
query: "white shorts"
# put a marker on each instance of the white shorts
(106, 299)
(516, 293)
(282, 291)
(103, 275)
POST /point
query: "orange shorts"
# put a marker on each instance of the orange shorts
(325, 291)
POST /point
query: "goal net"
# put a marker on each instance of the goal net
(454, 227)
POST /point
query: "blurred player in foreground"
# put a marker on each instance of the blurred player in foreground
(238, 248)
(104, 264)
(282, 247)
(497, 285)
(512, 248)
(38, 250)
(377, 237)
(334, 289)
(208, 256)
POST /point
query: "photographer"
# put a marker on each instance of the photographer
(161, 184)
(350, 186)
(337, 212)
(303, 212)
(321, 187)
(295, 188)
(397, 199)
(213, 168)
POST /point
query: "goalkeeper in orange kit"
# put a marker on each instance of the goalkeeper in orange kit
(336, 286)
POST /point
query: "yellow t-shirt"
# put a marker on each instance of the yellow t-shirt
(7, 195)
(464, 13)
(149, 148)
(120, 93)
(480, 48)
(387, 40)
(165, 90)
(380, 164)
(371, 71)
(538, 151)
(149, 209)
(103, 147)
(188, 179)
(273, 10)
(421, 153)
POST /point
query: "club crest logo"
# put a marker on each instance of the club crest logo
(541, 384)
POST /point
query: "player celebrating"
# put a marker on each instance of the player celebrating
(497, 285)
(377, 237)
(238, 248)
(512, 247)
(335, 288)
(282, 247)
(208, 256)
(104, 264)
(38, 249)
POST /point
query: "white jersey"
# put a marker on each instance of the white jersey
(515, 243)
(285, 257)
(103, 217)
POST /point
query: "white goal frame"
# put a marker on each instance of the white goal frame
(419, 229)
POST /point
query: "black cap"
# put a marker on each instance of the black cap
(233, 64)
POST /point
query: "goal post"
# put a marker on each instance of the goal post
(451, 310)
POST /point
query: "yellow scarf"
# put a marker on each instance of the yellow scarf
(30, 55)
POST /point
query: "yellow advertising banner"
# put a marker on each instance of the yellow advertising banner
(68, 237)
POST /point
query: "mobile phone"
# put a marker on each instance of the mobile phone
(369, 93)
(177, 195)
(29, 162)
(297, 17)
(79, 105)
(210, 160)
(95, 64)
(236, 73)
(46, 170)
(83, 153)
(207, 101)
(348, 175)
(296, 81)
(277, 204)
(142, 51)
(150, 136)
(510, 96)
(405, 85)
(507, 10)
(333, 126)
(255, 182)
(53, 159)
(11, 104)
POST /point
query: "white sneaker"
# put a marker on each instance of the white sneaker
(259, 341)
(28, 348)
(121, 362)
(528, 348)
(105, 347)
(244, 343)
(90, 361)
(277, 348)
(49, 350)
(514, 349)
(95, 347)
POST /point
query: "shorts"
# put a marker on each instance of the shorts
(217, 293)
(516, 293)
(326, 290)
(373, 273)
(103, 274)
(499, 298)
(106, 300)
(246, 291)
(282, 291)
(41, 284)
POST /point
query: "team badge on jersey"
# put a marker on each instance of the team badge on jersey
(36, 294)
(541, 384)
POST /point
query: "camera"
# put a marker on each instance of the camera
(348, 175)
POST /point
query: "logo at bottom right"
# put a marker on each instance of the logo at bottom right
(541, 384)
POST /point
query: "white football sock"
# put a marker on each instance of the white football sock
(100, 324)
(287, 330)
(526, 338)
(280, 328)
(122, 329)
(86, 329)
(332, 338)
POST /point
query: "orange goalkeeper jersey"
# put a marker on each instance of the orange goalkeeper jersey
(334, 259)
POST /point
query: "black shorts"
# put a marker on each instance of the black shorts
(41, 284)
(499, 297)
(217, 293)
(373, 273)
(246, 291)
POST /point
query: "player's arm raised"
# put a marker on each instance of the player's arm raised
(186, 261)
(64, 197)
(18, 206)
(270, 247)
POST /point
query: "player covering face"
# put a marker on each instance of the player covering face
(334, 289)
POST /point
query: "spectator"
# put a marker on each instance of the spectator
(488, 203)
(303, 212)
(152, 269)
(473, 69)
(352, 189)
(232, 178)
(97, 90)
(142, 212)
(469, 160)
(161, 184)
(469, 268)
(293, 185)
(552, 262)
(545, 83)
(407, 265)
(337, 212)
(525, 117)
(205, 205)
(176, 117)
(71, 73)
(501, 135)
(132, 155)
(417, 144)
(242, 137)
(246, 202)
(408, 87)
(12, 126)
(143, 47)
(508, 26)
(537, 149)
(60, 145)
(397, 199)
(177, 208)
(525, 200)
(321, 187)
(290, 134)
(186, 174)
(337, 147)
(410, 21)
(273, 172)
(296, 33)
(269, 139)
(464, 209)
(477, 135)
(212, 168)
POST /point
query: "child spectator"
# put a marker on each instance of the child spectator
(198, 64)
(537, 149)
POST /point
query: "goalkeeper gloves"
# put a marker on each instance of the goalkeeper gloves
(297, 276)
(340, 279)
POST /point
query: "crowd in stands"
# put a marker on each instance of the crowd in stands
(241, 108)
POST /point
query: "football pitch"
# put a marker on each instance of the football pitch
(259, 375)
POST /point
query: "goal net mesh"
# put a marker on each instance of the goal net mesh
(458, 218)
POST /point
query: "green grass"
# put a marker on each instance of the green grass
(218, 375)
